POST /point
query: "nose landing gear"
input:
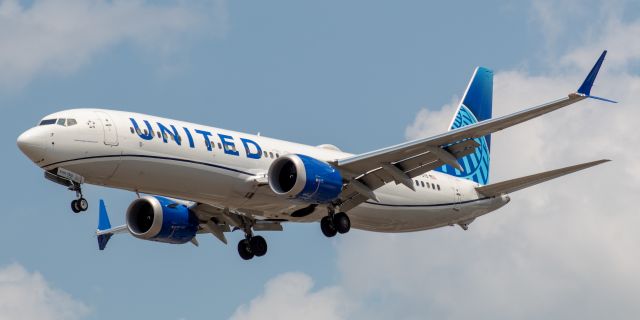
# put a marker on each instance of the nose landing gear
(73, 182)
(80, 204)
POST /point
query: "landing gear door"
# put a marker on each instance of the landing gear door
(109, 127)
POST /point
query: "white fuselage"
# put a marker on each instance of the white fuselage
(223, 168)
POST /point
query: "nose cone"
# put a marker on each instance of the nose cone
(32, 144)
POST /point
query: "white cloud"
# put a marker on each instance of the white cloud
(565, 249)
(25, 295)
(289, 296)
(60, 36)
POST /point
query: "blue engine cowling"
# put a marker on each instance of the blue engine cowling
(160, 219)
(301, 177)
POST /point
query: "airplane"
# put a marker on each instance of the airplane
(197, 179)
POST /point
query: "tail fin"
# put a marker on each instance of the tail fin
(476, 106)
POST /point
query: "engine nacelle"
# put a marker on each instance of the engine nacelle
(301, 177)
(160, 219)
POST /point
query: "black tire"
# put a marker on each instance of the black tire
(75, 207)
(244, 249)
(258, 246)
(326, 225)
(341, 222)
(82, 204)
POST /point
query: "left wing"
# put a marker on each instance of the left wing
(402, 162)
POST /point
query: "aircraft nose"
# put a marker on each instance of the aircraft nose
(32, 144)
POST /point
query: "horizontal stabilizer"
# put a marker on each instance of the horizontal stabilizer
(105, 231)
(513, 185)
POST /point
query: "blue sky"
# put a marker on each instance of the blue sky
(357, 74)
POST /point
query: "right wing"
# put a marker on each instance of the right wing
(400, 163)
(513, 185)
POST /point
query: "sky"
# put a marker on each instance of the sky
(357, 74)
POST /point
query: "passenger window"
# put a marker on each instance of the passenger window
(422, 183)
(271, 155)
(132, 132)
(266, 154)
(277, 155)
(146, 132)
(71, 122)
(159, 136)
(433, 186)
(47, 122)
(219, 145)
(138, 131)
(417, 183)
(438, 187)
(428, 186)
(61, 122)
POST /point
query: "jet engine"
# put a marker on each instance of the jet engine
(160, 219)
(301, 177)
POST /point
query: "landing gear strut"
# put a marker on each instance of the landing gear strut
(335, 223)
(252, 245)
(80, 204)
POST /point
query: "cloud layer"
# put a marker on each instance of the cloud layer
(50, 36)
(290, 296)
(25, 295)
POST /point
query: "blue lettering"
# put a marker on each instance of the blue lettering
(205, 135)
(227, 145)
(148, 134)
(174, 134)
(189, 137)
(251, 155)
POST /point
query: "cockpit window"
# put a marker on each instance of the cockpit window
(61, 122)
(71, 122)
(47, 122)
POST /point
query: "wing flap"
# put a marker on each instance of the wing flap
(513, 185)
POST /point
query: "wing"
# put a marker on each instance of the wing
(513, 185)
(218, 220)
(400, 163)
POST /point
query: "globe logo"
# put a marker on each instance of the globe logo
(476, 164)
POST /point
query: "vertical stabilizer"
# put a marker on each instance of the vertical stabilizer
(475, 106)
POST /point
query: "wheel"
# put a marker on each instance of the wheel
(326, 225)
(244, 249)
(341, 222)
(258, 246)
(82, 204)
(75, 207)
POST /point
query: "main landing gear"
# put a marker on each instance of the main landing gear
(80, 204)
(335, 223)
(252, 246)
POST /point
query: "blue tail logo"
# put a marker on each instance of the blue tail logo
(476, 105)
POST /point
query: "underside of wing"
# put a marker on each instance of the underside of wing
(513, 185)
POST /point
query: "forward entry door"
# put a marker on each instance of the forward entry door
(109, 127)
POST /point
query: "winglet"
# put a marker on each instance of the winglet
(585, 88)
(103, 224)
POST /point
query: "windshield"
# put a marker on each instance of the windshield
(47, 122)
